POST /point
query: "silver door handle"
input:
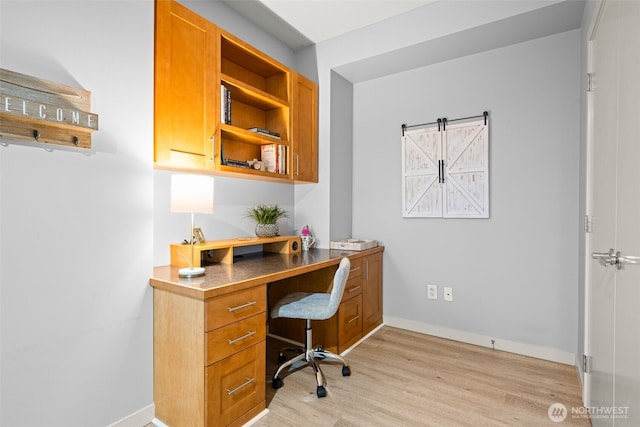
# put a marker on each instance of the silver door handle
(627, 260)
(613, 258)
(606, 258)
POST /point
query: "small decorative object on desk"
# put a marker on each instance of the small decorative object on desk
(266, 217)
(354, 244)
(306, 238)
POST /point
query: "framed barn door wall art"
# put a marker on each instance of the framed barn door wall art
(445, 169)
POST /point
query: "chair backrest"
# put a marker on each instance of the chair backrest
(339, 283)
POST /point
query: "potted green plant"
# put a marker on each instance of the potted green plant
(266, 217)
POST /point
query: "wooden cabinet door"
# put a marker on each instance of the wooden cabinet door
(186, 87)
(349, 323)
(235, 386)
(372, 293)
(304, 126)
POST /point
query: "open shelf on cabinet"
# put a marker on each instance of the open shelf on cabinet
(234, 133)
(250, 95)
(252, 68)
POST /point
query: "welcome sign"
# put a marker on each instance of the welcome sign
(35, 110)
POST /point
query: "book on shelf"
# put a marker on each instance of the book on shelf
(265, 132)
(282, 159)
(274, 157)
(225, 105)
(237, 163)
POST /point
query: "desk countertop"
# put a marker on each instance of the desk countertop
(249, 270)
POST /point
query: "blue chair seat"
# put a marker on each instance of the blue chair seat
(302, 305)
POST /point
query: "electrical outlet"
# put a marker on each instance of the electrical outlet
(432, 291)
(448, 294)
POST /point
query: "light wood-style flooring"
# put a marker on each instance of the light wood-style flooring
(402, 378)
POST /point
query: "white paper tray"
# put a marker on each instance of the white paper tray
(354, 244)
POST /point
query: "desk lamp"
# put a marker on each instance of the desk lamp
(191, 194)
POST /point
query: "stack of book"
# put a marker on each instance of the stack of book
(265, 132)
(225, 105)
(237, 163)
(274, 157)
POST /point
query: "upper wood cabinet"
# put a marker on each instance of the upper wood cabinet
(304, 123)
(186, 83)
(211, 88)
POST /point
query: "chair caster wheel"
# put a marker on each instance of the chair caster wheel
(277, 383)
(281, 358)
(321, 391)
(346, 371)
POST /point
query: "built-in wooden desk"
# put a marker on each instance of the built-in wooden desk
(210, 332)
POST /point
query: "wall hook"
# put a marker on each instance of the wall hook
(36, 134)
(75, 141)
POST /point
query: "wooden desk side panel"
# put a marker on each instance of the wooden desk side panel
(178, 370)
(372, 294)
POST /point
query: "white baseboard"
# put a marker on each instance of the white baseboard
(531, 350)
(137, 419)
(253, 420)
(156, 422)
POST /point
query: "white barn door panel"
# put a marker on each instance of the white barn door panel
(466, 179)
(421, 189)
(445, 173)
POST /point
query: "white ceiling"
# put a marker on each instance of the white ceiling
(301, 23)
(320, 20)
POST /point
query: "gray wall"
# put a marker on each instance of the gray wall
(77, 229)
(514, 275)
(341, 162)
(80, 234)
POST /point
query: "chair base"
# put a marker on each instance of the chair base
(309, 355)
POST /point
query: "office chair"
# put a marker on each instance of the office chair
(312, 306)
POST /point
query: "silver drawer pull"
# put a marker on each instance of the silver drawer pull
(244, 384)
(248, 304)
(353, 320)
(247, 335)
(354, 269)
(355, 288)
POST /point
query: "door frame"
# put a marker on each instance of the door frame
(586, 378)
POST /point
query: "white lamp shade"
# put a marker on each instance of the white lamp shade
(191, 193)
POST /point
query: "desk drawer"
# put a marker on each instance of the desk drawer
(356, 268)
(352, 288)
(235, 385)
(230, 308)
(228, 340)
(349, 323)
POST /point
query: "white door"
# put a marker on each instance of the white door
(421, 189)
(466, 161)
(613, 341)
